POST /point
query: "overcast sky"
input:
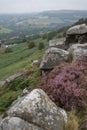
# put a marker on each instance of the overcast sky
(20, 6)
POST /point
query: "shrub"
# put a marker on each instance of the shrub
(70, 58)
(34, 77)
(7, 98)
(8, 50)
(41, 46)
(10, 91)
(44, 36)
(31, 45)
(26, 72)
(50, 35)
(18, 83)
(66, 85)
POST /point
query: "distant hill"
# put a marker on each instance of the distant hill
(35, 23)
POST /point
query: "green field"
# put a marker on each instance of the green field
(5, 30)
(19, 58)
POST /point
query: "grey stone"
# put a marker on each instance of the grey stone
(78, 29)
(2, 83)
(25, 91)
(53, 57)
(0, 119)
(59, 43)
(38, 109)
(78, 51)
(63, 112)
(15, 123)
(82, 39)
(76, 34)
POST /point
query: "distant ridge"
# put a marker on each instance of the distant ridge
(38, 22)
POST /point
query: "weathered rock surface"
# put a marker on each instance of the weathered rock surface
(15, 123)
(78, 29)
(78, 51)
(76, 34)
(0, 119)
(82, 39)
(57, 43)
(2, 83)
(53, 57)
(35, 111)
(11, 78)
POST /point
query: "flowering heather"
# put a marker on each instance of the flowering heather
(66, 85)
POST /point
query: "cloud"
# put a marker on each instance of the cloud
(14, 6)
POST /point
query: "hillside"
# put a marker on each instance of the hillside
(20, 57)
(63, 77)
(21, 25)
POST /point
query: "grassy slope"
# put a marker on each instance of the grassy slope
(5, 30)
(10, 63)
(10, 91)
(20, 58)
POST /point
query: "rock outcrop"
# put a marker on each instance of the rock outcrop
(78, 29)
(76, 34)
(53, 57)
(78, 51)
(35, 111)
(57, 43)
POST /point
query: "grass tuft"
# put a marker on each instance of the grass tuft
(73, 122)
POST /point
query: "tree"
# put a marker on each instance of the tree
(50, 35)
(41, 46)
(31, 45)
(44, 36)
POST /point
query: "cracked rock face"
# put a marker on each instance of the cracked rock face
(15, 123)
(35, 112)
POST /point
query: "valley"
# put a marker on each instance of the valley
(21, 25)
(38, 77)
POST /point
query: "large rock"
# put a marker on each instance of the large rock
(0, 119)
(59, 43)
(15, 123)
(82, 39)
(35, 112)
(76, 34)
(53, 57)
(78, 51)
(78, 29)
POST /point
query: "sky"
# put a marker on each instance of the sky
(28, 6)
